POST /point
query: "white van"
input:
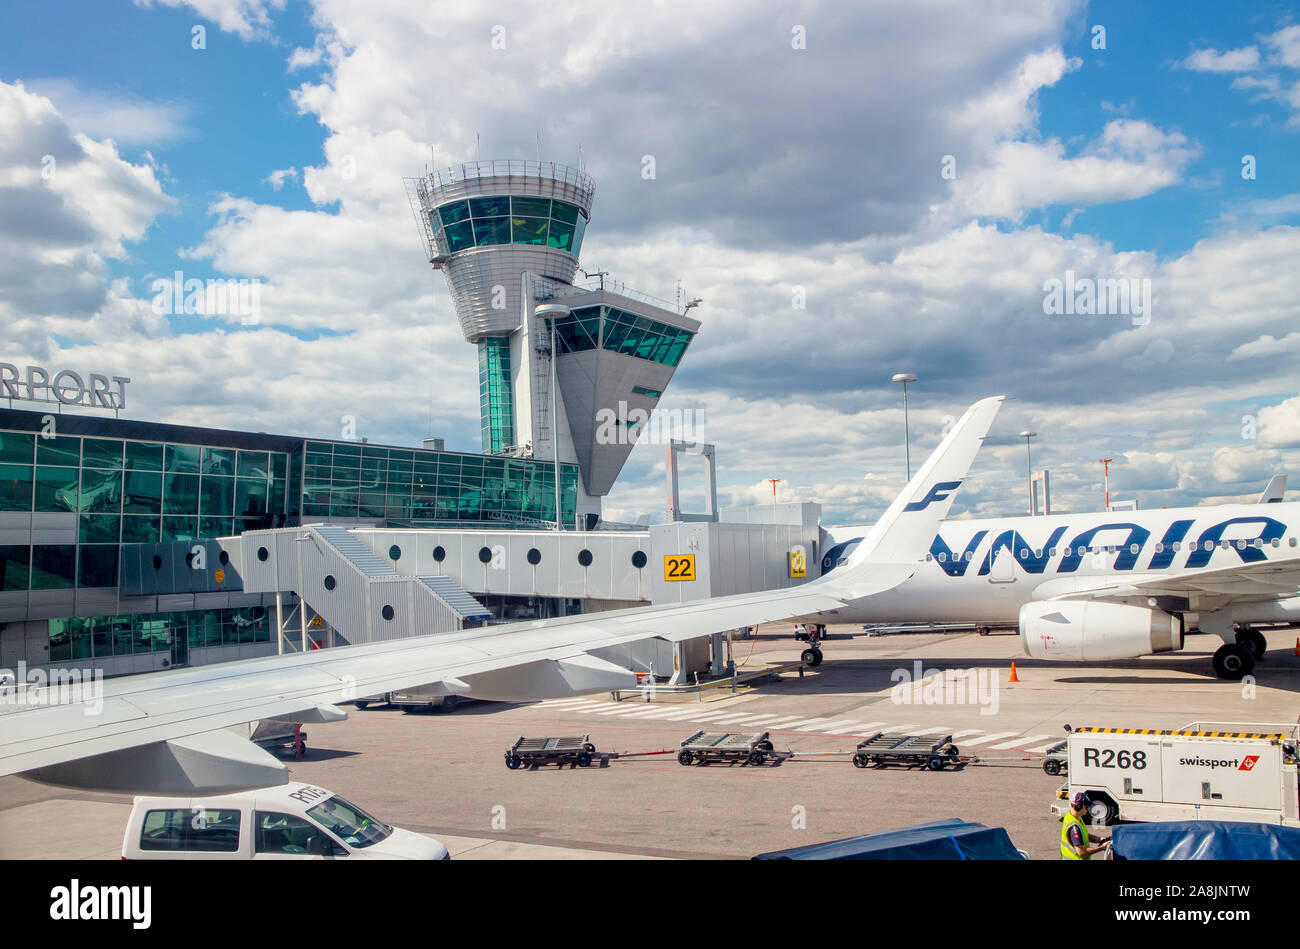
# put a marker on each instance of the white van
(292, 821)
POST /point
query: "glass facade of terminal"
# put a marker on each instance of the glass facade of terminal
(346, 479)
(495, 400)
(97, 637)
(125, 491)
(502, 219)
(615, 330)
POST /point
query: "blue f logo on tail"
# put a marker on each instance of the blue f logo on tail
(938, 492)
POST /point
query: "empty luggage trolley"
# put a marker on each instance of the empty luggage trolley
(561, 751)
(704, 746)
(909, 750)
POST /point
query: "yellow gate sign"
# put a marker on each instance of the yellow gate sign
(798, 564)
(679, 567)
(316, 623)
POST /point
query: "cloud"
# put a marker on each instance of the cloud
(123, 118)
(248, 19)
(1279, 425)
(1232, 60)
(68, 203)
(1130, 159)
(277, 178)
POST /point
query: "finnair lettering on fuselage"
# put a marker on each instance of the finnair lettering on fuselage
(1125, 539)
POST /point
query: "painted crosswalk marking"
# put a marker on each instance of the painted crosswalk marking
(1003, 746)
(826, 726)
(1042, 749)
(968, 731)
(865, 728)
(987, 738)
(934, 731)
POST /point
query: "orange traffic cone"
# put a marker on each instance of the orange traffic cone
(1015, 678)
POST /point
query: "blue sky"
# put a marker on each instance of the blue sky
(776, 172)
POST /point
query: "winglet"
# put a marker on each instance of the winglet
(1275, 490)
(905, 531)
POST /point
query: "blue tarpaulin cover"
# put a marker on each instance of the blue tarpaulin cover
(1205, 840)
(940, 840)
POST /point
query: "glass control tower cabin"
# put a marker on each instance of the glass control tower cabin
(507, 235)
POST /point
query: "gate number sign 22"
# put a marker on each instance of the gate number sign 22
(679, 567)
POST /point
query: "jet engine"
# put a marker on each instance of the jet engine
(1091, 630)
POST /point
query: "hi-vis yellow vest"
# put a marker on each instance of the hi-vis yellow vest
(1067, 851)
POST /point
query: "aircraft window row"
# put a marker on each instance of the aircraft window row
(1134, 549)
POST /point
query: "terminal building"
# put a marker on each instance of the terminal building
(131, 546)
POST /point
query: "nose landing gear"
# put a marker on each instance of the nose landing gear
(812, 634)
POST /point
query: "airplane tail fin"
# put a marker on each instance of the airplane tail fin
(1275, 490)
(907, 528)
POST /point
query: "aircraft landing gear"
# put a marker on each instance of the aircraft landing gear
(1254, 641)
(1233, 661)
(812, 635)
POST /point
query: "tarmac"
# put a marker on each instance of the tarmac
(444, 774)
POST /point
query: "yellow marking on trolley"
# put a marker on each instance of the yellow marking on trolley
(1275, 736)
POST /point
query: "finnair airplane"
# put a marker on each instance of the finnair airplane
(1106, 585)
(167, 732)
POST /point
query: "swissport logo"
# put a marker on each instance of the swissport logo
(1248, 763)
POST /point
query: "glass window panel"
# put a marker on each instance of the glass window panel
(55, 489)
(15, 487)
(15, 564)
(218, 461)
(101, 453)
(489, 207)
(144, 456)
(60, 641)
(181, 494)
(372, 504)
(347, 449)
(216, 526)
(142, 492)
(98, 565)
(121, 635)
(101, 633)
(179, 528)
(491, 230)
(183, 458)
(578, 230)
(530, 207)
(560, 235)
(54, 566)
(139, 529)
(99, 528)
(528, 230)
(279, 464)
(253, 464)
(16, 447)
(59, 450)
(453, 212)
(101, 491)
(275, 503)
(250, 497)
(323, 447)
(216, 496)
(459, 236)
(563, 211)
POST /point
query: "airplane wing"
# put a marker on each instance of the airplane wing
(1273, 579)
(157, 723)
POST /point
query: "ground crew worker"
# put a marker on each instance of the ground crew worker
(1074, 834)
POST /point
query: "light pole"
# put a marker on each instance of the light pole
(1029, 458)
(773, 482)
(905, 378)
(1105, 467)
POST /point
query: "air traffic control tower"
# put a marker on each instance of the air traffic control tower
(507, 235)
